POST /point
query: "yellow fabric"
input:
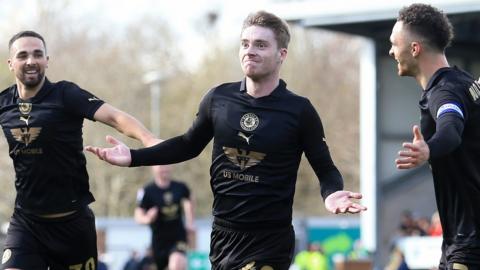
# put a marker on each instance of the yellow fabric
(311, 260)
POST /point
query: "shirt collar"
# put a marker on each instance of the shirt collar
(437, 75)
(276, 92)
(42, 92)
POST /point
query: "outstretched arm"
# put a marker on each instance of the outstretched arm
(341, 202)
(336, 199)
(118, 155)
(125, 123)
(174, 150)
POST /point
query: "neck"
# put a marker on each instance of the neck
(162, 183)
(263, 87)
(428, 67)
(25, 92)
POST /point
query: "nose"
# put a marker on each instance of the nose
(390, 52)
(29, 60)
(250, 50)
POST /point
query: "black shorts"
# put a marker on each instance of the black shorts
(66, 243)
(164, 247)
(234, 248)
(460, 257)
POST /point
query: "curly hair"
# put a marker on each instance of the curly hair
(271, 21)
(429, 23)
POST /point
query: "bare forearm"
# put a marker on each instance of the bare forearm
(125, 123)
(141, 217)
(133, 128)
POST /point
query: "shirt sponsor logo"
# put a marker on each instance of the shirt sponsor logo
(243, 158)
(6, 255)
(447, 108)
(249, 122)
(25, 119)
(245, 137)
(241, 176)
(170, 211)
(93, 99)
(475, 90)
(26, 135)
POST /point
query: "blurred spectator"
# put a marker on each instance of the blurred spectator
(411, 226)
(396, 261)
(147, 262)
(101, 262)
(435, 226)
(102, 265)
(311, 259)
(423, 226)
(133, 262)
(359, 252)
(407, 223)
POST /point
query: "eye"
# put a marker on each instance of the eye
(21, 56)
(244, 45)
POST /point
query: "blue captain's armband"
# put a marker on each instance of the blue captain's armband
(449, 108)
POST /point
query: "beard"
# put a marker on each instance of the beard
(30, 82)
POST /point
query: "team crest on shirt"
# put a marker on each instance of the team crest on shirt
(168, 198)
(25, 108)
(249, 121)
(6, 255)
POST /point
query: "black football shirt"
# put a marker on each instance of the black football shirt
(168, 200)
(45, 142)
(257, 148)
(456, 175)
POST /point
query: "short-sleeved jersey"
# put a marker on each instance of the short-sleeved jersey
(169, 202)
(456, 175)
(257, 148)
(44, 135)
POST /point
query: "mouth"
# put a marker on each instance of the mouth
(31, 71)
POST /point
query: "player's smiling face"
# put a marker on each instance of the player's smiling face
(401, 50)
(259, 53)
(28, 61)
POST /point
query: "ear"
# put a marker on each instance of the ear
(283, 54)
(10, 66)
(415, 48)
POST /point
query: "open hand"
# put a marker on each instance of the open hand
(340, 202)
(118, 155)
(414, 153)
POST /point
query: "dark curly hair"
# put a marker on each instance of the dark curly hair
(429, 23)
(269, 20)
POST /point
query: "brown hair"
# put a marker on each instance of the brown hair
(271, 21)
